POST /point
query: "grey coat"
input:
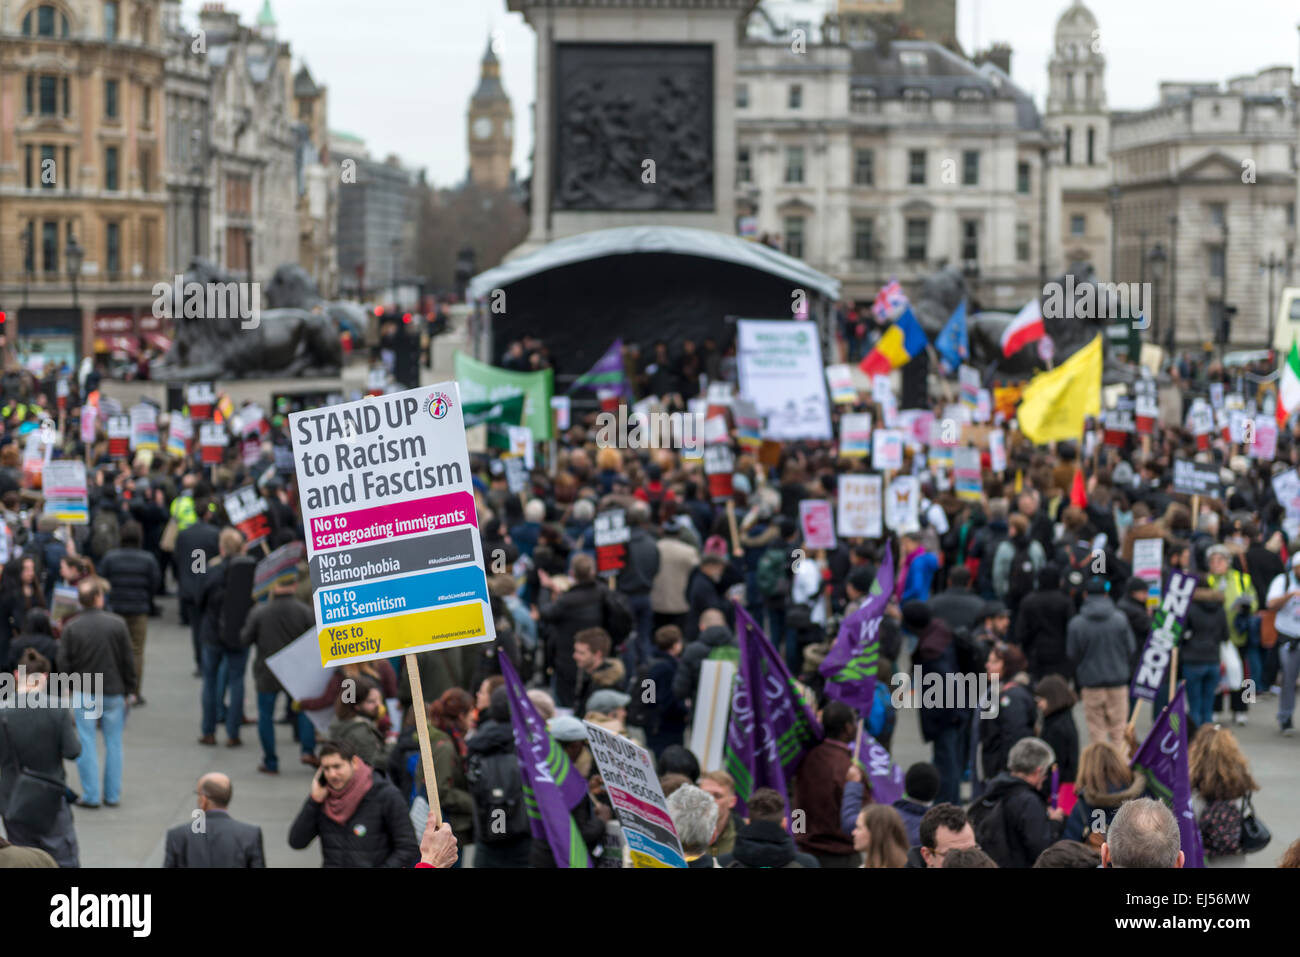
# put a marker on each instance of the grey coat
(1100, 643)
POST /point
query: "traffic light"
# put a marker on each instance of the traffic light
(406, 359)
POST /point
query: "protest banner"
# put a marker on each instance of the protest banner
(709, 715)
(1160, 650)
(118, 428)
(780, 368)
(561, 409)
(200, 397)
(1192, 478)
(180, 432)
(1263, 444)
(250, 449)
(516, 474)
(480, 382)
(817, 523)
(887, 450)
(860, 506)
(1148, 558)
(840, 380)
(280, 565)
(917, 425)
(887, 778)
(89, 416)
(719, 466)
(903, 504)
(1200, 422)
(611, 534)
(1164, 760)
(715, 429)
(297, 666)
(882, 389)
(1117, 424)
(1146, 409)
(968, 381)
(997, 451)
(64, 603)
(983, 411)
(213, 439)
(628, 773)
(1286, 489)
(63, 485)
(247, 511)
(855, 435)
(749, 424)
(967, 477)
(144, 428)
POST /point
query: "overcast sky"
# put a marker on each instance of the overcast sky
(401, 72)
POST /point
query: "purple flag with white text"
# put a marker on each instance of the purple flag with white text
(850, 666)
(606, 376)
(884, 777)
(1163, 760)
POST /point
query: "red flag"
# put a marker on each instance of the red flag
(1078, 497)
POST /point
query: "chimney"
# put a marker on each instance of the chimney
(999, 54)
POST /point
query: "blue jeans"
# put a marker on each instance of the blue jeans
(215, 686)
(947, 755)
(1202, 682)
(266, 727)
(1254, 655)
(306, 734)
(111, 724)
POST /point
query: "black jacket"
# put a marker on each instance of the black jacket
(133, 577)
(582, 606)
(1207, 628)
(379, 834)
(1027, 830)
(936, 654)
(94, 642)
(687, 678)
(1061, 733)
(702, 593)
(765, 844)
(957, 607)
(224, 842)
(1041, 623)
(201, 536)
(1017, 714)
(638, 574)
(271, 626)
(43, 738)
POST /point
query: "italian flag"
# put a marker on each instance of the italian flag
(1027, 327)
(1288, 389)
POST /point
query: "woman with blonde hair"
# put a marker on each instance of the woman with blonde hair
(880, 837)
(1221, 787)
(1103, 782)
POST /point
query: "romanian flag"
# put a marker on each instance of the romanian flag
(901, 343)
(1055, 404)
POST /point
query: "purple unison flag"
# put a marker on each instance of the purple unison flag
(1162, 759)
(607, 374)
(850, 667)
(771, 724)
(552, 788)
(885, 777)
(1166, 630)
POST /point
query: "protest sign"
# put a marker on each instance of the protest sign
(887, 450)
(817, 523)
(298, 668)
(780, 367)
(1166, 630)
(903, 504)
(712, 703)
(612, 534)
(1192, 478)
(719, 466)
(628, 773)
(561, 409)
(212, 443)
(882, 390)
(89, 416)
(749, 424)
(860, 506)
(118, 428)
(840, 380)
(1286, 489)
(855, 435)
(385, 484)
(997, 451)
(247, 512)
(1148, 558)
(144, 428)
(1263, 444)
(65, 602)
(180, 432)
(63, 485)
(516, 473)
(200, 397)
(967, 478)
(983, 411)
(969, 382)
(280, 565)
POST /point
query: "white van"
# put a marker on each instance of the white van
(1287, 327)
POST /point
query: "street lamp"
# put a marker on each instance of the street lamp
(396, 244)
(74, 255)
(1273, 264)
(1157, 260)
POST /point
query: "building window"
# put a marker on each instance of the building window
(49, 96)
(1087, 86)
(67, 167)
(1092, 146)
(1218, 213)
(1069, 86)
(864, 168)
(970, 168)
(918, 238)
(1078, 225)
(113, 248)
(744, 173)
(794, 236)
(29, 100)
(1290, 215)
(110, 20)
(972, 101)
(67, 97)
(970, 240)
(147, 230)
(50, 247)
(916, 101)
(110, 169)
(1022, 178)
(146, 167)
(29, 165)
(1069, 146)
(795, 101)
(863, 101)
(794, 164)
(45, 22)
(742, 96)
(1216, 262)
(146, 106)
(49, 167)
(110, 99)
(864, 239)
(916, 167)
(1022, 242)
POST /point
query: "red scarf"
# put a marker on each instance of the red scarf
(341, 805)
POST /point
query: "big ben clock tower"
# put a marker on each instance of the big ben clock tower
(491, 128)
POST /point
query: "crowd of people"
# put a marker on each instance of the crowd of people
(1032, 587)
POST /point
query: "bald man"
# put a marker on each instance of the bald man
(213, 838)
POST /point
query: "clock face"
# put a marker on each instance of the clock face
(482, 128)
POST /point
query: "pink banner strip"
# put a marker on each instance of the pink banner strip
(345, 529)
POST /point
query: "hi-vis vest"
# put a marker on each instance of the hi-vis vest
(183, 512)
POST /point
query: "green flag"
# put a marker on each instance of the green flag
(480, 382)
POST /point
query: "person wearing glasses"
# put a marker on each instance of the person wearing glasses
(212, 838)
(944, 828)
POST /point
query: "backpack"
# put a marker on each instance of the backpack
(498, 795)
(104, 533)
(1020, 579)
(989, 821)
(615, 615)
(1077, 573)
(773, 574)
(1221, 829)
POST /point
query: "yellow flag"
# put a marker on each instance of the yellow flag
(1055, 404)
